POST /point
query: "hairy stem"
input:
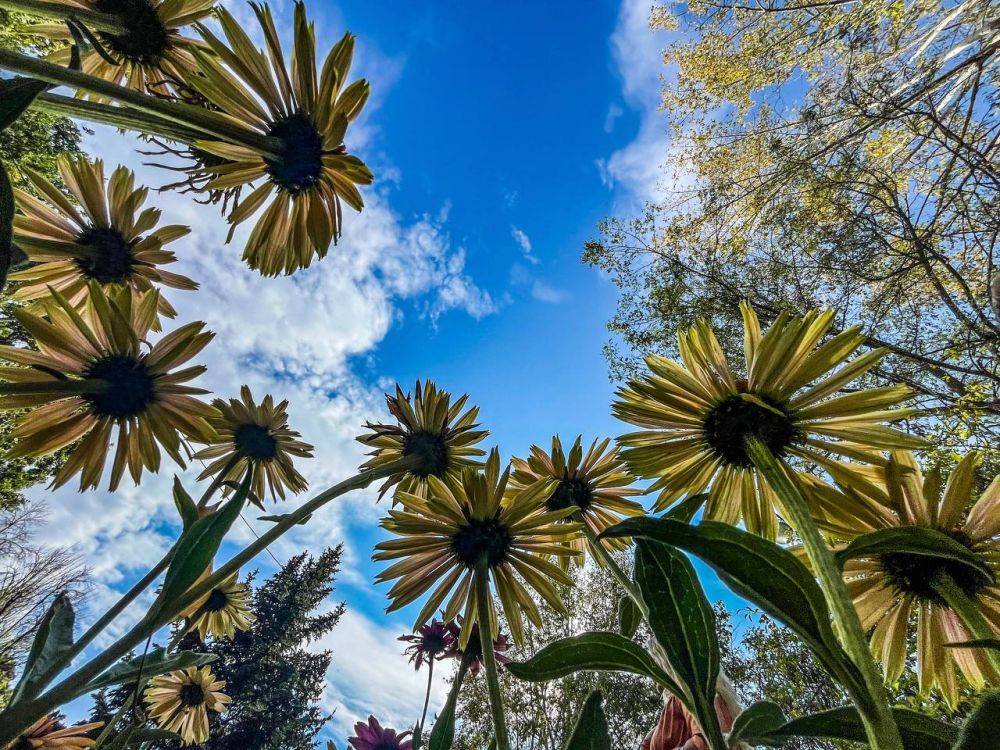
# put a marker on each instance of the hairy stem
(880, 726)
(489, 656)
(91, 18)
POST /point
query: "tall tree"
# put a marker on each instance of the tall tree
(273, 680)
(839, 153)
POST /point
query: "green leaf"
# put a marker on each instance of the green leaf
(757, 721)
(761, 572)
(443, 733)
(914, 540)
(157, 661)
(6, 226)
(417, 737)
(993, 643)
(53, 639)
(597, 651)
(16, 95)
(683, 623)
(591, 729)
(685, 510)
(629, 616)
(919, 732)
(196, 549)
(186, 506)
(980, 730)
(283, 516)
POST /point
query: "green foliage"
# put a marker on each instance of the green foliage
(980, 731)
(591, 730)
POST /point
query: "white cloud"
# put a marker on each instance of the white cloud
(524, 242)
(545, 293)
(614, 112)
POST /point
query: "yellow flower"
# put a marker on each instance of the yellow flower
(255, 437)
(179, 702)
(150, 54)
(431, 430)
(48, 734)
(309, 172)
(102, 238)
(95, 374)
(698, 416)
(596, 485)
(888, 590)
(224, 610)
(462, 523)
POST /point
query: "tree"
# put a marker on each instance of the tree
(541, 716)
(829, 154)
(274, 682)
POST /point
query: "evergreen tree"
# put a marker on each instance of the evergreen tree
(274, 682)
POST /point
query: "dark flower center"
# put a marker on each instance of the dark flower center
(386, 744)
(913, 574)
(571, 491)
(478, 538)
(192, 695)
(22, 743)
(145, 38)
(300, 163)
(432, 644)
(255, 442)
(431, 451)
(129, 387)
(217, 601)
(731, 422)
(110, 258)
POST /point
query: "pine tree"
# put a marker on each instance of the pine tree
(273, 680)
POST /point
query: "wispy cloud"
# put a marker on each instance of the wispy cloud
(524, 242)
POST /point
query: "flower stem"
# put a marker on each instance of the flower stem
(15, 718)
(880, 726)
(214, 124)
(427, 695)
(69, 387)
(489, 656)
(601, 553)
(968, 612)
(91, 18)
(117, 116)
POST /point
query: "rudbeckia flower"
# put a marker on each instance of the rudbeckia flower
(596, 484)
(48, 734)
(179, 702)
(95, 375)
(305, 115)
(432, 641)
(150, 54)
(258, 438)
(224, 610)
(373, 736)
(104, 236)
(698, 415)
(431, 430)
(462, 524)
(892, 590)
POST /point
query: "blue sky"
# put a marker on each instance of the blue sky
(500, 135)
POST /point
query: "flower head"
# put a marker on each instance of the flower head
(430, 430)
(150, 53)
(224, 610)
(595, 483)
(92, 375)
(103, 237)
(473, 650)
(699, 417)
(308, 172)
(432, 641)
(889, 589)
(372, 736)
(463, 524)
(258, 438)
(179, 702)
(49, 734)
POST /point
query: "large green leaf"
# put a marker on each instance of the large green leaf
(680, 616)
(629, 616)
(185, 504)
(914, 540)
(591, 729)
(981, 730)
(597, 651)
(757, 721)
(157, 661)
(196, 548)
(919, 732)
(16, 95)
(761, 572)
(53, 639)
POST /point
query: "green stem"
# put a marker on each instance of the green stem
(968, 612)
(17, 717)
(427, 695)
(68, 387)
(604, 555)
(218, 479)
(117, 116)
(91, 18)
(109, 727)
(213, 123)
(880, 726)
(489, 656)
